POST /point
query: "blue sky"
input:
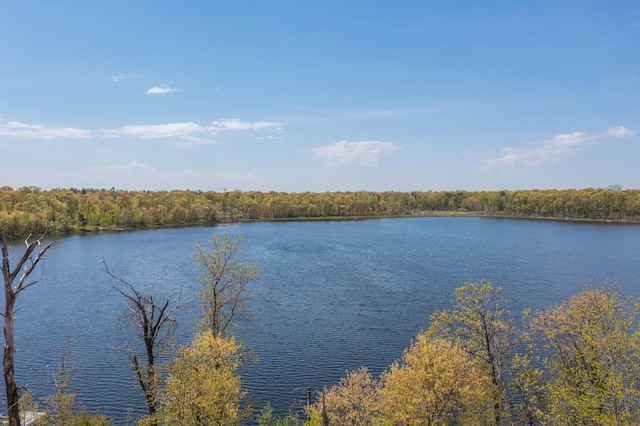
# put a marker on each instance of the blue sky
(319, 96)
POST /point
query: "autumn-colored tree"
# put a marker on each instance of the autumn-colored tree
(435, 383)
(592, 360)
(480, 324)
(202, 386)
(31, 209)
(224, 283)
(353, 402)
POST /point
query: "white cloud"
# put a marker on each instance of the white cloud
(189, 133)
(235, 124)
(551, 150)
(155, 131)
(366, 153)
(161, 90)
(36, 131)
(619, 132)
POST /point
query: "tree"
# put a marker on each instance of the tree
(26, 264)
(435, 383)
(154, 325)
(60, 407)
(267, 418)
(202, 387)
(592, 350)
(527, 388)
(224, 281)
(354, 401)
(479, 322)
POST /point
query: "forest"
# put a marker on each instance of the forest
(30, 209)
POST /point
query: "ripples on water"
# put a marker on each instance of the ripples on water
(333, 296)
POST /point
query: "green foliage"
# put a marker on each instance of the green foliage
(354, 401)
(576, 364)
(480, 324)
(527, 386)
(60, 407)
(202, 386)
(592, 351)
(267, 418)
(224, 283)
(435, 383)
(85, 419)
(30, 209)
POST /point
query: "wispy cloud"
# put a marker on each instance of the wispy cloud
(551, 150)
(619, 132)
(188, 133)
(191, 132)
(366, 153)
(17, 129)
(161, 90)
(116, 78)
(156, 131)
(235, 124)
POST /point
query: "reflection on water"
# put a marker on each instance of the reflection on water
(332, 295)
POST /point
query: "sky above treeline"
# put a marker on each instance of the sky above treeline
(320, 96)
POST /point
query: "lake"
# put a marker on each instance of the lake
(332, 296)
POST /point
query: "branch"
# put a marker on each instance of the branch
(28, 269)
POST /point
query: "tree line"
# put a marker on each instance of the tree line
(31, 209)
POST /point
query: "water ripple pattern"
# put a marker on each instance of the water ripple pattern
(332, 296)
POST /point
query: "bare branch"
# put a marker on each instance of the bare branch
(27, 264)
(154, 324)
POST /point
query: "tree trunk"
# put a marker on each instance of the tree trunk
(9, 377)
(26, 264)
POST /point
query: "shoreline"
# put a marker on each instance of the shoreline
(99, 229)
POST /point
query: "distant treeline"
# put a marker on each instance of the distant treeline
(31, 209)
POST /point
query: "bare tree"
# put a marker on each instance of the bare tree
(155, 326)
(26, 264)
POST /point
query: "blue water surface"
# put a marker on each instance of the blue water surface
(331, 296)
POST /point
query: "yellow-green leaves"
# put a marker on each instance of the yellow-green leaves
(435, 383)
(574, 364)
(353, 402)
(202, 387)
(592, 350)
(224, 283)
(479, 323)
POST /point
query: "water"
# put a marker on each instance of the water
(332, 296)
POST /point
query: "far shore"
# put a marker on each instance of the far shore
(97, 229)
